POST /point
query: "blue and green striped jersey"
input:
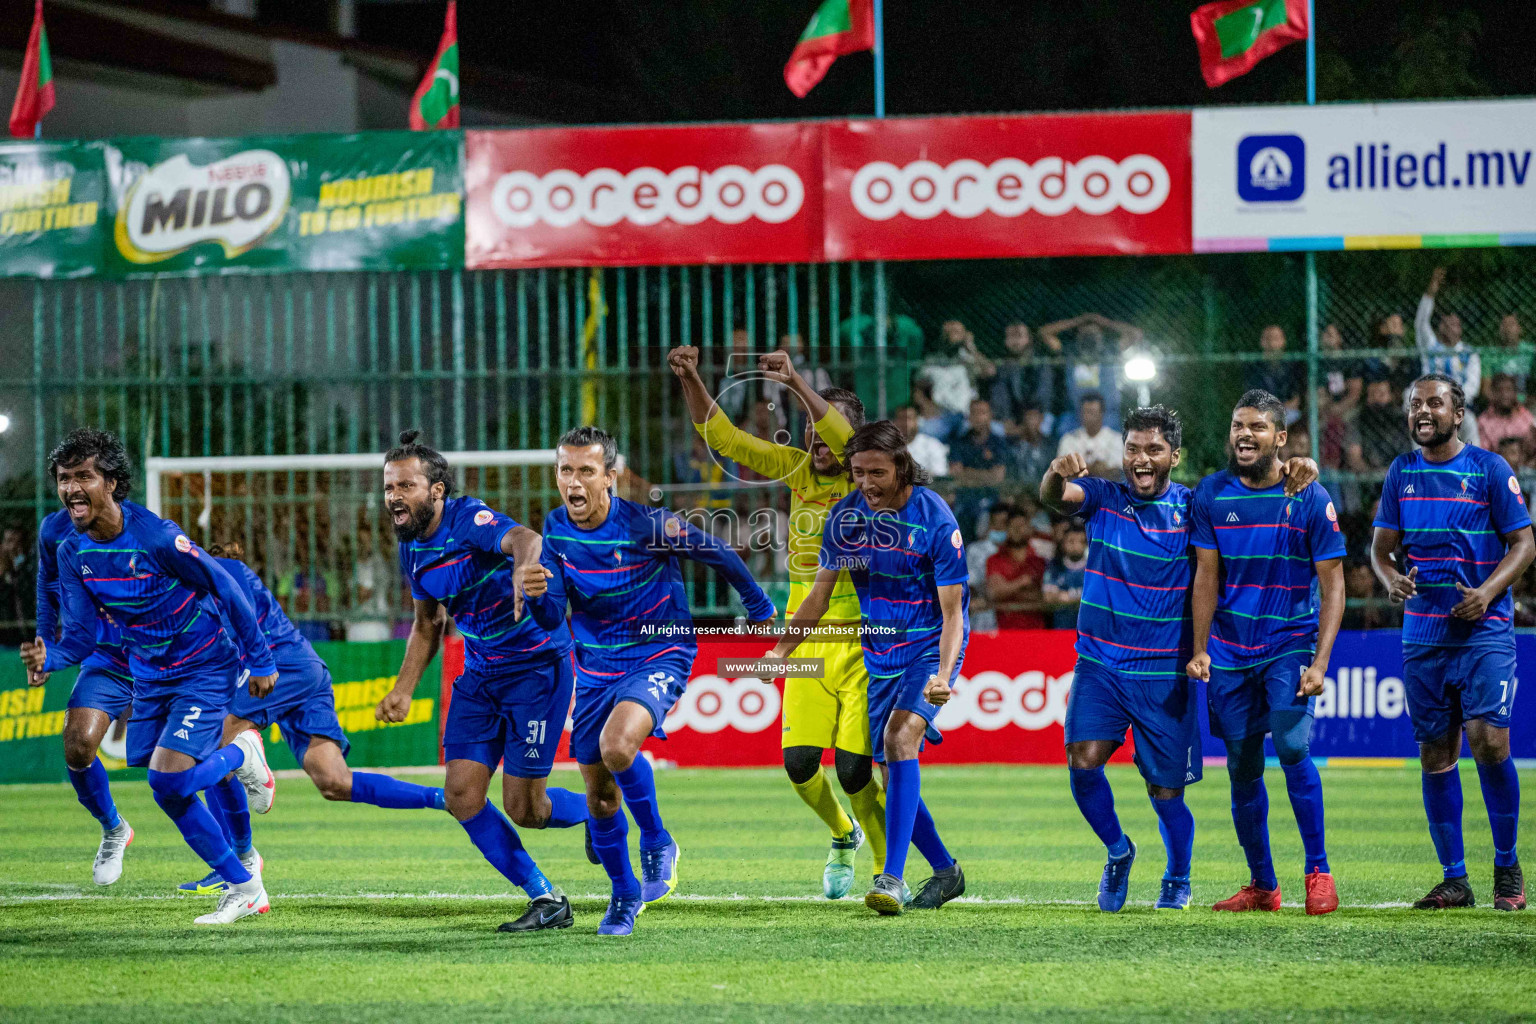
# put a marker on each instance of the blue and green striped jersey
(1452, 516)
(110, 653)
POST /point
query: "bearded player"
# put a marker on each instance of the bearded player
(1263, 637)
(510, 702)
(1458, 515)
(618, 565)
(899, 543)
(830, 710)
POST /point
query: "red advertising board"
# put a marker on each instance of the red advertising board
(736, 193)
(978, 187)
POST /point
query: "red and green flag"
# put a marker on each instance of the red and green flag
(34, 96)
(1234, 35)
(436, 103)
(837, 27)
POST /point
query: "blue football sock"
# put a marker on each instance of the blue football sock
(226, 799)
(925, 836)
(638, 784)
(566, 809)
(610, 841)
(1442, 806)
(1177, 826)
(386, 791)
(1097, 802)
(1306, 792)
(1250, 817)
(495, 838)
(95, 794)
(201, 831)
(903, 795)
(218, 816)
(1501, 795)
(201, 775)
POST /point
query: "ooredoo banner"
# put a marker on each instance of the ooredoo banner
(741, 193)
(976, 187)
(1365, 176)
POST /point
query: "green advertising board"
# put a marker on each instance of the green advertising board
(374, 201)
(32, 718)
(53, 208)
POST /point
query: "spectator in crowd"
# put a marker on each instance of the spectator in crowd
(1021, 382)
(1093, 363)
(1031, 450)
(1513, 451)
(1380, 432)
(699, 465)
(374, 580)
(930, 453)
(1065, 575)
(988, 544)
(786, 407)
(1343, 377)
(932, 418)
(1363, 598)
(1505, 417)
(1042, 535)
(1441, 345)
(977, 461)
(17, 584)
(1015, 576)
(1284, 378)
(956, 368)
(1099, 446)
(1298, 443)
(1400, 370)
(736, 392)
(1513, 356)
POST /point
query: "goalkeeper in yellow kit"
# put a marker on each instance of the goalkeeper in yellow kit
(830, 711)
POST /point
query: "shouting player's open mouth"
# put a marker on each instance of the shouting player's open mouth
(1143, 477)
(1423, 427)
(79, 508)
(1246, 450)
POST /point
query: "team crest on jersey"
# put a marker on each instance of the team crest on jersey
(183, 544)
(1514, 486)
(484, 516)
(1287, 510)
(133, 562)
(1332, 513)
(1463, 485)
(618, 556)
(955, 539)
(1176, 520)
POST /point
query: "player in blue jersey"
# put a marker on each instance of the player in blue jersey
(900, 544)
(618, 564)
(1461, 521)
(103, 693)
(304, 709)
(509, 705)
(1262, 642)
(173, 603)
(1133, 641)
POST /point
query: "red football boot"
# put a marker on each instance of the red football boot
(1322, 897)
(1251, 897)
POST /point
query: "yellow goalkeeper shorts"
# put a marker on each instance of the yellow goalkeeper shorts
(832, 711)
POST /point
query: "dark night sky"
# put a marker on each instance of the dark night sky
(711, 59)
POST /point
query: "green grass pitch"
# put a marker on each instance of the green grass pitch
(390, 915)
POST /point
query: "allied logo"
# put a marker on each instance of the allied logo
(183, 544)
(484, 516)
(1271, 168)
(236, 202)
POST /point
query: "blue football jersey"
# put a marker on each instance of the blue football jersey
(1268, 543)
(283, 639)
(462, 567)
(110, 653)
(898, 559)
(1452, 517)
(624, 583)
(170, 597)
(1134, 615)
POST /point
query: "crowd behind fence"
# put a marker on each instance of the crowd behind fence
(990, 368)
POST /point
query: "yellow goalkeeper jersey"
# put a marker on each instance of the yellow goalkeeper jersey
(813, 496)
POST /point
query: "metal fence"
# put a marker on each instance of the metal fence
(278, 364)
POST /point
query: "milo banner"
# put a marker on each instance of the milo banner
(32, 719)
(53, 203)
(380, 201)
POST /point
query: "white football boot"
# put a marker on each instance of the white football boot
(255, 775)
(108, 867)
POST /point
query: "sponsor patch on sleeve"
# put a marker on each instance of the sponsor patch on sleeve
(957, 540)
(672, 527)
(484, 516)
(1514, 485)
(184, 545)
(1332, 513)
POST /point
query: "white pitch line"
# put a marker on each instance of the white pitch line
(1008, 901)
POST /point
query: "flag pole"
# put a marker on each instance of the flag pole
(1311, 260)
(881, 310)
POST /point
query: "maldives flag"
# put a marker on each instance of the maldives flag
(436, 103)
(1234, 35)
(34, 96)
(837, 27)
